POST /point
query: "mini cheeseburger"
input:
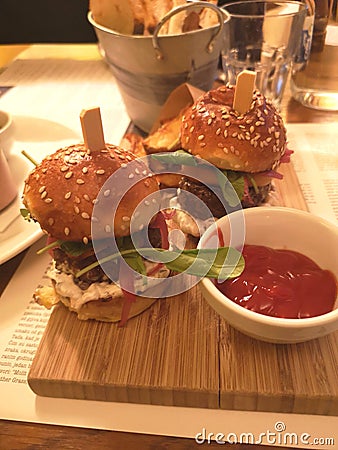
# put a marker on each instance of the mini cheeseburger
(247, 148)
(60, 194)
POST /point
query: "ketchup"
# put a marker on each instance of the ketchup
(281, 283)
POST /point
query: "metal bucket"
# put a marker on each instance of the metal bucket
(148, 68)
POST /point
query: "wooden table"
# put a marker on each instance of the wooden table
(19, 435)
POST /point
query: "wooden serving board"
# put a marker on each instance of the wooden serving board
(180, 352)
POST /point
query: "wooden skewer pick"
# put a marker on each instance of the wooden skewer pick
(245, 85)
(92, 130)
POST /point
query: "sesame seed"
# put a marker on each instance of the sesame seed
(44, 170)
(187, 139)
(76, 209)
(107, 229)
(123, 165)
(48, 200)
(252, 129)
(137, 171)
(42, 188)
(146, 202)
(228, 123)
(192, 129)
(225, 150)
(66, 231)
(225, 133)
(220, 145)
(86, 197)
(100, 172)
(68, 175)
(234, 134)
(64, 168)
(126, 219)
(84, 170)
(85, 215)
(77, 200)
(258, 123)
(51, 221)
(43, 195)
(106, 193)
(131, 175)
(79, 181)
(218, 131)
(201, 137)
(203, 144)
(237, 166)
(95, 219)
(68, 195)
(209, 121)
(95, 201)
(85, 240)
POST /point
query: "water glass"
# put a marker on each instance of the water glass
(263, 36)
(314, 80)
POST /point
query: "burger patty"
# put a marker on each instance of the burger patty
(212, 199)
(71, 265)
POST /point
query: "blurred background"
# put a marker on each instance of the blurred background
(37, 21)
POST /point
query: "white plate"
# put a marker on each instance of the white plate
(16, 234)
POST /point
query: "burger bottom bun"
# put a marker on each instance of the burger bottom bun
(102, 310)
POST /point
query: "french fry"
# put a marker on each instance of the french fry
(177, 21)
(114, 14)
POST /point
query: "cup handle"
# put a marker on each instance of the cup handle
(221, 14)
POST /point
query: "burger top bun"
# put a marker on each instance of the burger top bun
(250, 142)
(61, 191)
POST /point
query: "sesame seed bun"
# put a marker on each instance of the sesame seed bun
(61, 191)
(250, 142)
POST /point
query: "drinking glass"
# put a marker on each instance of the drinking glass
(263, 36)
